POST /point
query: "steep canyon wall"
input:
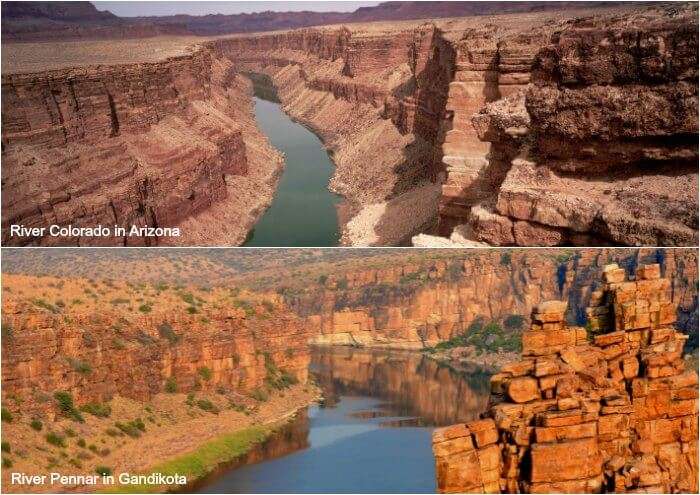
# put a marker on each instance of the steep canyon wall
(97, 356)
(364, 92)
(558, 128)
(601, 147)
(162, 144)
(416, 305)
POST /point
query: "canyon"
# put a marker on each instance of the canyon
(160, 378)
(90, 359)
(570, 127)
(615, 413)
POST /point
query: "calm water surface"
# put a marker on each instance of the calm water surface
(372, 434)
(303, 211)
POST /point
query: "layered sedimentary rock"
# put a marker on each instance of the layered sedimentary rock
(567, 128)
(98, 356)
(599, 148)
(417, 305)
(617, 413)
(361, 92)
(152, 145)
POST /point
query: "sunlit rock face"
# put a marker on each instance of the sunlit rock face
(134, 357)
(610, 408)
(586, 135)
(413, 306)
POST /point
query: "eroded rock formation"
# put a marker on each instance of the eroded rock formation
(416, 305)
(617, 413)
(599, 148)
(566, 128)
(163, 144)
(134, 357)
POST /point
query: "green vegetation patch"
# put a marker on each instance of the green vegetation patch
(96, 409)
(275, 377)
(67, 407)
(203, 460)
(6, 416)
(489, 337)
(79, 366)
(165, 330)
(56, 439)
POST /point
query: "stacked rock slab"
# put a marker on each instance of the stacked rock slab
(617, 413)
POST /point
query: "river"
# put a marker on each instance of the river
(303, 211)
(371, 435)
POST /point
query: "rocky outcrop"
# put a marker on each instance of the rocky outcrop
(98, 356)
(600, 147)
(418, 305)
(617, 413)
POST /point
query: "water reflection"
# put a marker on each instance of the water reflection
(412, 384)
(371, 434)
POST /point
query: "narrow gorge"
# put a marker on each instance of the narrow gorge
(557, 128)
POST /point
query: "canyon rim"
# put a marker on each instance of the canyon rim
(448, 124)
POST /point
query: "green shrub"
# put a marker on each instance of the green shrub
(275, 377)
(342, 284)
(322, 279)
(132, 428)
(205, 373)
(207, 405)
(67, 407)
(259, 394)
(506, 258)
(190, 399)
(56, 439)
(145, 308)
(6, 330)
(6, 463)
(103, 410)
(80, 366)
(43, 304)
(5, 415)
(103, 471)
(165, 330)
(514, 322)
(81, 443)
(75, 463)
(171, 385)
(191, 310)
(5, 447)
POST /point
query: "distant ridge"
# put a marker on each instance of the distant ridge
(50, 21)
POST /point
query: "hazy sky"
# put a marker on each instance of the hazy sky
(133, 9)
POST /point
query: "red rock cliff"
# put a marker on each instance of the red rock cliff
(414, 305)
(600, 147)
(134, 357)
(151, 145)
(615, 414)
